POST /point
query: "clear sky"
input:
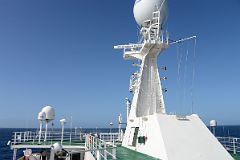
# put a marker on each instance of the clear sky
(60, 53)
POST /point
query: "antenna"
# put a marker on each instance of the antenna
(213, 125)
(41, 118)
(63, 122)
(50, 115)
(119, 126)
(71, 131)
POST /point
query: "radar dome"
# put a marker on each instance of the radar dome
(41, 116)
(213, 123)
(143, 10)
(50, 113)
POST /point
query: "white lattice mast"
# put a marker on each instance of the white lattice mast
(145, 84)
(149, 129)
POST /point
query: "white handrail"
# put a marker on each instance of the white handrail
(231, 144)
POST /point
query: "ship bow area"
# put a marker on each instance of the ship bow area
(171, 137)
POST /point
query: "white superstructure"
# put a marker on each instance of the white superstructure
(150, 130)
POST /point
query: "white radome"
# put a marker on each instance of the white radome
(41, 116)
(213, 123)
(143, 10)
(50, 113)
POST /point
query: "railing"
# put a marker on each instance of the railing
(99, 148)
(110, 137)
(231, 144)
(32, 138)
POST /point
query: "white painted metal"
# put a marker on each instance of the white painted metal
(119, 126)
(99, 148)
(143, 10)
(171, 138)
(232, 144)
(183, 39)
(50, 115)
(63, 122)
(14, 154)
(46, 130)
(149, 129)
(213, 123)
(41, 118)
(128, 105)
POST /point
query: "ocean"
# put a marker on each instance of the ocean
(6, 135)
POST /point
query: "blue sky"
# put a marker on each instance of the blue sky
(60, 53)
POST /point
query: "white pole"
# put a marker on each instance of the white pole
(45, 138)
(52, 155)
(75, 131)
(14, 154)
(15, 138)
(40, 132)
(71, 132)
(234, 146)
(119, 126)
(62, 133)
(214, 131)
(127, 109)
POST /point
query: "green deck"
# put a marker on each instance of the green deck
(125, 154)
(236, 157)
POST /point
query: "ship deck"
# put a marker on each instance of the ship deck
(124, 153)
(236, 156)
(106, 144)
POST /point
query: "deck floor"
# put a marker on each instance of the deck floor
(236, 157)
(124, 154)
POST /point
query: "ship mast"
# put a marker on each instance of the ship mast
(145, 84)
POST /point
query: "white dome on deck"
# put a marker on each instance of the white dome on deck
(143, 10)
(50, 113)
(41, 116)
(213, 123)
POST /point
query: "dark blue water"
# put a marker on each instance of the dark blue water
(6, 135)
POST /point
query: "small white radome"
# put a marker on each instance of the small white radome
(50, 112)
(143, 10)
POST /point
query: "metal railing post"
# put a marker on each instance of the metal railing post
(105, 151)
(24, 136)
(98, 155)
(234, 146)
(114, 153)
(15, 137)
(14, 154)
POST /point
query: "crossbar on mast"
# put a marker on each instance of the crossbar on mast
(183, 39)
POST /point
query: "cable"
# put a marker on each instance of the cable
(185, 76)
(193, 76)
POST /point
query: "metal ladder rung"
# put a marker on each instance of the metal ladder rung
(156, 14)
